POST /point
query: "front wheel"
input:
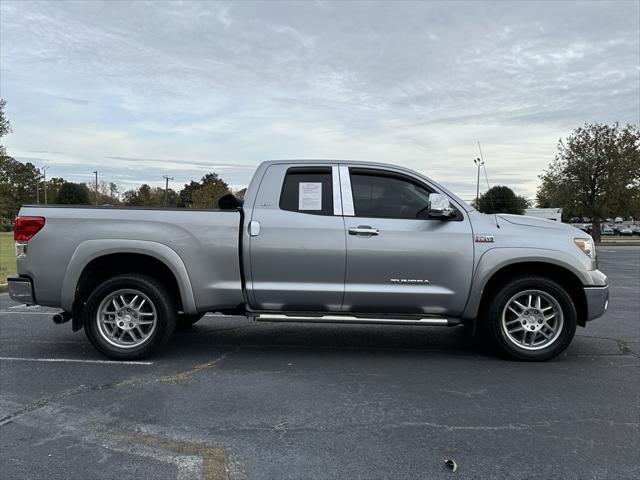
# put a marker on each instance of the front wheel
(129, 316)
(531, 318)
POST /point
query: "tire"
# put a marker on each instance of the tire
(549, 323)
(185, 320)
(144, 308)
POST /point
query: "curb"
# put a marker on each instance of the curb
(4, 287)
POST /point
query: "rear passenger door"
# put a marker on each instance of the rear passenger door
(297, 240)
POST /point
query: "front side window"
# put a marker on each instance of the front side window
(308, 190)
(387, 196)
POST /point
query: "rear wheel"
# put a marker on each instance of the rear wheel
(129, 316)
(531, 318)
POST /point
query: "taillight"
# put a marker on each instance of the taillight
(27, 227)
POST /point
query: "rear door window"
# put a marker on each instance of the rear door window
(307, 190)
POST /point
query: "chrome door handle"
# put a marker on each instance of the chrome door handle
(363, 230)
(254, 228)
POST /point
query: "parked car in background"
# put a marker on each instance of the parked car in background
(575, 220)
(587, 228)
(606, 230)
(625, 231)
(635, 229)
(586, 219)
(618, 220)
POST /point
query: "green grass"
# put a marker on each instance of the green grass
(7, 256)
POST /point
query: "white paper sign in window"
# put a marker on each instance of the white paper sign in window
(310, 196)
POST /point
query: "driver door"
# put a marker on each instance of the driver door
(398, 259)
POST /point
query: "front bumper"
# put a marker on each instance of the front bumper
(597, 301)
(21, 290)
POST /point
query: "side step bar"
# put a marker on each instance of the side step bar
(272, 317)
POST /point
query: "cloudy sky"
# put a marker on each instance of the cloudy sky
(139, 89)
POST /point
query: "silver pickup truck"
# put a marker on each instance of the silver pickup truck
(314, 241)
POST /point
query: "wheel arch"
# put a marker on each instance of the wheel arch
(556, 270)
(93, 262)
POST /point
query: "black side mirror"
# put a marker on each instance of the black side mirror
(229, 202)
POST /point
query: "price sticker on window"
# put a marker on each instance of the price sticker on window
(310, 196)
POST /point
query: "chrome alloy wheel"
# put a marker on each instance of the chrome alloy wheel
(532, 319)
(126, 318)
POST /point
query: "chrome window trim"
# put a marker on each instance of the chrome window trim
(335, 179)
(347, 195)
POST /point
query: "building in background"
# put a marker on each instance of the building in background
(548, 213)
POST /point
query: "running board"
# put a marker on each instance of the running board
(272, 317)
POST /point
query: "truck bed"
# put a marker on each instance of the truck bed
(207, 241)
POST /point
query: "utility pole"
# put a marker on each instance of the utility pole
(479, 162)
(38, 188)
(44, 176)
(166, 188)
(96, 188)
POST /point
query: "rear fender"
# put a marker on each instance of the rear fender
(89, 250)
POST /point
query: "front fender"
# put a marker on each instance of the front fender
(495, 259)
(91, 249)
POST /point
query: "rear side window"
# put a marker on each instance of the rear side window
(387, 196)
(308, 190)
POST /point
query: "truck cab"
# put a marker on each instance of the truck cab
(349, 237)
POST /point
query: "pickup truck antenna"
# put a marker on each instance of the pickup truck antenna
(484, 166)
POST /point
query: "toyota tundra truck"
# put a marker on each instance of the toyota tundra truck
(313, 241)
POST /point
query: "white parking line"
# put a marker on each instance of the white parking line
(18, 312)
(71, 360)
(53, 312)
(28, 307)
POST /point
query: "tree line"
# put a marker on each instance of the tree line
(23, 183)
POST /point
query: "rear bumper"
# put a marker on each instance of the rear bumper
(597, 301)
(21, 290)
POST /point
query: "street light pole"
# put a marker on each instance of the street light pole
(96, 188)
(166, 188)
(44, 176)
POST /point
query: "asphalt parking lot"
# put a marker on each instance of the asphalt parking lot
(235, 399)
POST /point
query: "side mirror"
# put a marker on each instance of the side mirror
(439, 206)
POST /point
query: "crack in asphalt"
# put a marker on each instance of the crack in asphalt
(178, 377)
(623, 346)
(288, 426)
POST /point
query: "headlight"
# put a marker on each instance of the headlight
(586, 245)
